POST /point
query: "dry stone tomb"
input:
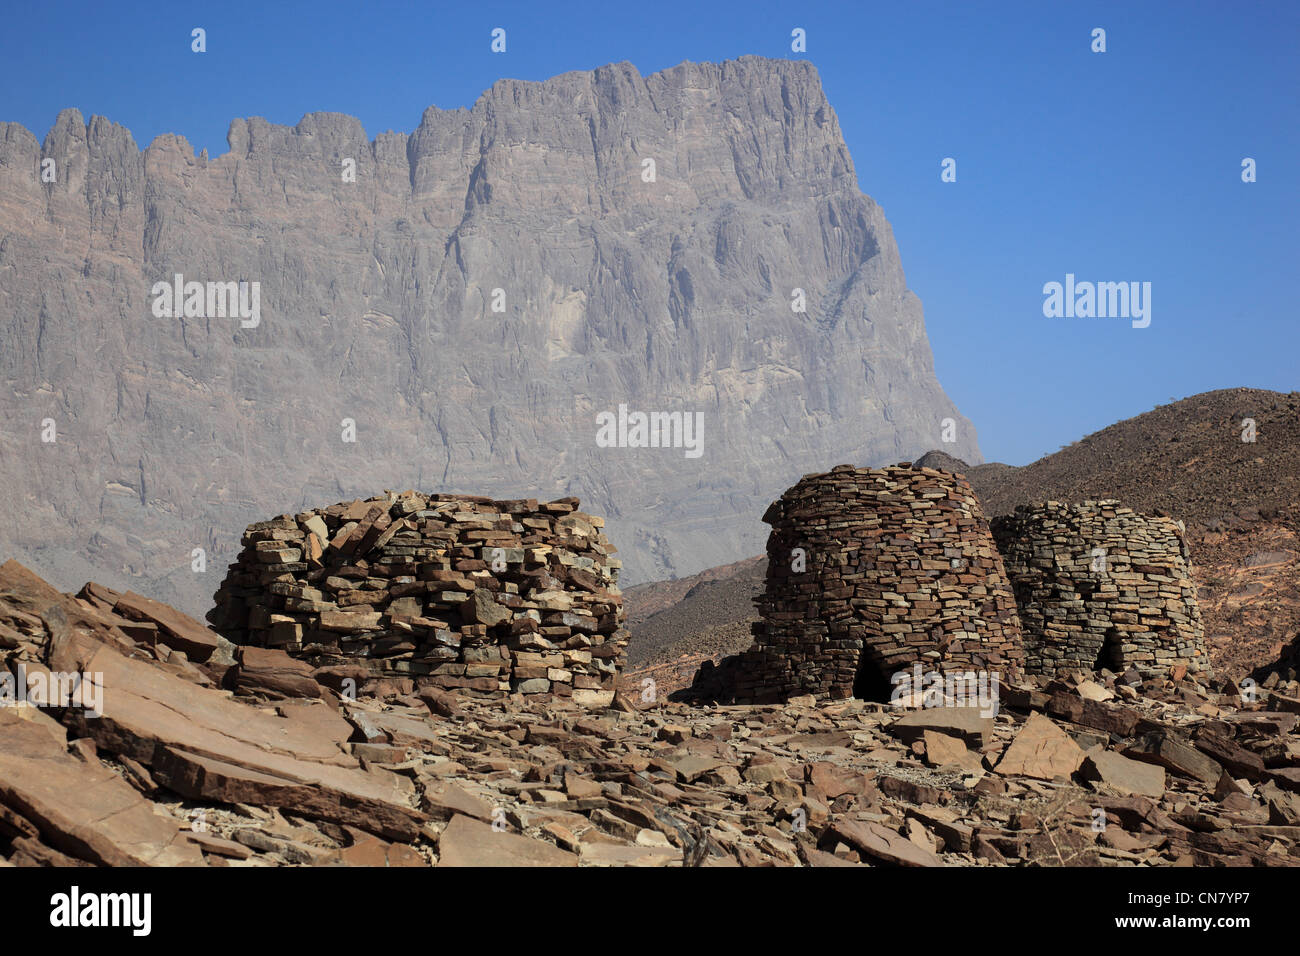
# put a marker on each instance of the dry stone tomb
(1099, 585)
(876, 572)
(871, 571)
(469, 594)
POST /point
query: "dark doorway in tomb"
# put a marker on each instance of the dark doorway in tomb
(872, 683)
(1109, 655)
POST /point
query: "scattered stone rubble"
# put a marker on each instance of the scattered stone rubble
(1099, 583)
(871, 571)
(468, 594)
(209, 754)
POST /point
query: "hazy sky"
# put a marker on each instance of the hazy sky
(1115, 166)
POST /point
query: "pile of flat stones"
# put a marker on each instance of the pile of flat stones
(468, 594)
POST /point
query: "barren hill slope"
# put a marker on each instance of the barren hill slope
(1187, 457)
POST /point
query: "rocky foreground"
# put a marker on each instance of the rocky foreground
(207, 753)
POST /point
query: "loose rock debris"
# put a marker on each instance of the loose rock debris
(201, 758)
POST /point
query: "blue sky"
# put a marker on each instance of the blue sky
(1115, 166)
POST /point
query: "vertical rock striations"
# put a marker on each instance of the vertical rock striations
(483, 290)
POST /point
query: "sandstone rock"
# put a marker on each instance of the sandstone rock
(581, 788)
(468, 842)
(881, 845)
(1110, 718)
(911, 791)
(275, 673)
(401, 730)
(956, 835)
(177, 630)
(1125, 776)
(218, 846)
(482, 608)
(965, 723)
(444, 800)
(766, 771)
(83, 810)
(1041, 750)
(942, 750)
(814, 857)
(1230, 755)
(51, 612)
(831, 781)
(179, 729)
(1091, 690)
(1176, 755)
(607, 854)
(366, 850)
(439, 701)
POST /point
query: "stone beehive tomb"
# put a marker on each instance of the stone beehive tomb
(871, 571)
(1101, 585)
(468, 594)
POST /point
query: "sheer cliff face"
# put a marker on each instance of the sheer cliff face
(377, 305)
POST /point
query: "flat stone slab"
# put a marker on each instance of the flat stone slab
(179, 630)
(403, 731)
(693, 766)
(210, 744)
(612, 854)
(274, 672)
(880, 844)
(963, 722)
(446, 800)
(468, 842)
(84, 810)
(210, 843)
(941, 750)
(1041, 750)
(1125, 776)
(1176, 755)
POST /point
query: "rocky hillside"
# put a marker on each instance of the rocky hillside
(1239, 500)
(450, 309)
(176, 748)
(1186, 457)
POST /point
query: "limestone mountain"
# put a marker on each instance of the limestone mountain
(463, 301)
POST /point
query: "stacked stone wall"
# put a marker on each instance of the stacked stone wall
(469, 594)
(1099, 585)
(870, 572)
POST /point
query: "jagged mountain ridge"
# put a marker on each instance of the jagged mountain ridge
(376, 296)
